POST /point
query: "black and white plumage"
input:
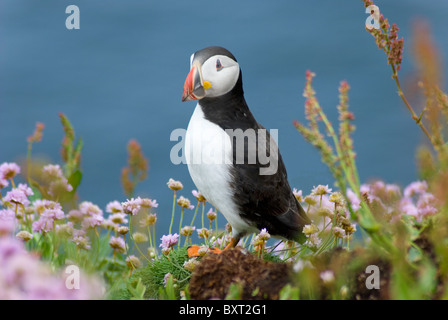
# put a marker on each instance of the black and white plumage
(248, 200)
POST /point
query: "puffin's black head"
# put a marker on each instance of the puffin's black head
(214, 72)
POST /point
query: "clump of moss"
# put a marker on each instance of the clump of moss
(152, 276)
(267, 256)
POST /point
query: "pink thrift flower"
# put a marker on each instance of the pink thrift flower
(370, 191)
(52, 172)
(81, 240)
(354, 200)
(338, 232)
(149, 220)
(415, 188)
(365, 188)
(78, 233)
(75, 216)
(58, 183)
(298, 194)
(324, 203)
(9, 170)
(55, 214)
(407, 207)
(169, 241)
(89, 215)
(313, 241)
(174, 185)
(393, 189)
(40, 205)
(108, 224)
(320, 190)
(118, 244)
(132, 206)
(377, 186)
(48, 208)
(148, 203)
(58, 186)
(203, 233)
(17, 196)
(65, 230)
(7, 222)
(187, 231)
(184, 203)
(53, 210)
(90, 209)
(327, 276)
(25, 189)
(198, 196)
(211, 214)
(118, 218)
(425, 205)
(8, 248)
(264, 235)
(43, 225)
(7, 214)
(114, 207)
(91, 222)
(3, 183)
(24, 235)
(6, 227)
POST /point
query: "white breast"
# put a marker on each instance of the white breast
(208, 151)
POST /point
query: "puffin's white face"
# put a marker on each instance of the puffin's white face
(215, 77)
(222, 73)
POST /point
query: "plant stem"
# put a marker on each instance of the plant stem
(411, 110)
(195, 212)
(172, 213)
(12, 183)
(135, 244)
(180, 224)
(154, 239)
(150, 237)
(203, 210)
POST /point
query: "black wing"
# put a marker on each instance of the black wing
(262, 190)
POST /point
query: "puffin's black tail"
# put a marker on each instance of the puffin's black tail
(303, 220)
(290, 224)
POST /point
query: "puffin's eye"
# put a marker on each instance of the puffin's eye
(218, 65)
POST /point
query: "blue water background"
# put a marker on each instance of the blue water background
(121, 77)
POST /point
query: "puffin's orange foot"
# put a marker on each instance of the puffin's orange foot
(233, 243)
(198, 251)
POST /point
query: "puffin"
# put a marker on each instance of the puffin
(226, 151)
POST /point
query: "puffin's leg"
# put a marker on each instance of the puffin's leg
(193, 251)
(233, 242)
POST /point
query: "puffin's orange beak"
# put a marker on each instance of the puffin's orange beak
(193, 87)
